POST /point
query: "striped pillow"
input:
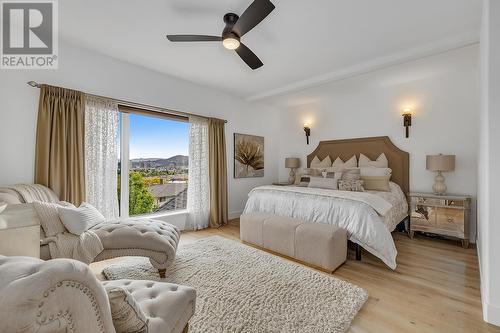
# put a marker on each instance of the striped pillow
(78, 220)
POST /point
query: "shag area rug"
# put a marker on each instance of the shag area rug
(243, 289)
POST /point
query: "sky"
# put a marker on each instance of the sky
(152, 137)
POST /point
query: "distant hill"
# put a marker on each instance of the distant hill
(177, 160)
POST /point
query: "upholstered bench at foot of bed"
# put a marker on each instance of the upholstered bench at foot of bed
(318, 244)
(153, 239)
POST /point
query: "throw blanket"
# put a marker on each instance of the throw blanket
(380, 205)
(85, 247)
(357, 212)
(35, 192)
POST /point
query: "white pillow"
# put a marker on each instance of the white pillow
(317, 164)
(375, 172)
(326, 183)
(339, 164)
(78, 220)
(380, 162)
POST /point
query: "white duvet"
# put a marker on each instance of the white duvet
(360, 213)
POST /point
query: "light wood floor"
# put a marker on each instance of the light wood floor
(435, 287)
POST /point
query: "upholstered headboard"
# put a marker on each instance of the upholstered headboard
(399, 161)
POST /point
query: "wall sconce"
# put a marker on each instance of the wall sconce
(307, 129)
(407, 120)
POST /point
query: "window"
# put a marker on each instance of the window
(155, 177)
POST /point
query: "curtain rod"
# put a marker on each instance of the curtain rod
(35, 84)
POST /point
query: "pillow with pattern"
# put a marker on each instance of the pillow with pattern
(351, 185)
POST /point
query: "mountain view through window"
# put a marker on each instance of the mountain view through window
(157, 164)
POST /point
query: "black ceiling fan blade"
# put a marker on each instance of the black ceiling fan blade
(254, 14)
(193, 38)
(248, 57)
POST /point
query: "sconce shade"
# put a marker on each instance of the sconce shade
(292, 162)
(440, 162)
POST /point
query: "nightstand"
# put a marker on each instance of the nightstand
(19, 231)
(446, 215)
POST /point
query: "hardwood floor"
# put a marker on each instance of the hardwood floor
(435, 287)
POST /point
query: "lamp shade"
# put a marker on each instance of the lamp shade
(440, 162)
(292, 162)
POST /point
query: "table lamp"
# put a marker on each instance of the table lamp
(292, 163)
(440, 163)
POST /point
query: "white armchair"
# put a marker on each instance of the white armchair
(63, 295)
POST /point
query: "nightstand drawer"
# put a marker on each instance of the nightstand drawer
(451, 219)
(430, 201)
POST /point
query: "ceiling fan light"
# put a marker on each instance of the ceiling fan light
(231, 43)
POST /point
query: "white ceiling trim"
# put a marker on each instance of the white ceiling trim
(373, 65)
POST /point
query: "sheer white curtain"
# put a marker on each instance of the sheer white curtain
(101, 155)
(198, 200)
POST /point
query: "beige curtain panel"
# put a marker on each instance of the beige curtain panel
(217, 172)
(59, 155)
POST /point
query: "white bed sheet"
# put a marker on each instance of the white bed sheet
(364, 226)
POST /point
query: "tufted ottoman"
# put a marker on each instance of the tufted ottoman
(167, 306)
(154, 239)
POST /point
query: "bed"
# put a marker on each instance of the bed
(369, 217)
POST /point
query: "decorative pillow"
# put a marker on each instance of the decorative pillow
(330, 174)
(317, 164)
(351, 185)
(326, 183)
(351, 174)
(306, 172)
(78, 220)
(304, 180)
(376, 183)
(126, 313)
(372, 171)
(380, 162)
(49, 217)
(339, 164)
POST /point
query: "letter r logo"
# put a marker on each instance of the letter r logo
(27, 28)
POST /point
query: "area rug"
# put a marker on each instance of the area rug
(243, 289)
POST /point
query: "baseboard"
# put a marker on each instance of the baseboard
(234, 215)
(491, 313)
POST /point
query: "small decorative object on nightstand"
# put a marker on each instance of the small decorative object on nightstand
(292, 163)
(440, 163)
(446, 215)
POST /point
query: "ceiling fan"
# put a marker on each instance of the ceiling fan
(236, 27)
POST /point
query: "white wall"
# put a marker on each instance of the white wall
(91, 72)
(443, 91)
(489, 163)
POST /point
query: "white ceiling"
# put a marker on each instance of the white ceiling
(299, 41)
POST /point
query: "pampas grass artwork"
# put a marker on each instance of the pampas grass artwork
(248, 156)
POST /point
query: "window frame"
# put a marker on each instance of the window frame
(124, 114)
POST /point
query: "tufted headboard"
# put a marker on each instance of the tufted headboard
(399, 161)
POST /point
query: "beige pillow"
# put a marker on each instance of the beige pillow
(326, 183)
(49, 217)
(339, 164)
(317, 164)
(306, 172)
(126, 313)
(373, 171)
(380, 162)
(376, 183)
